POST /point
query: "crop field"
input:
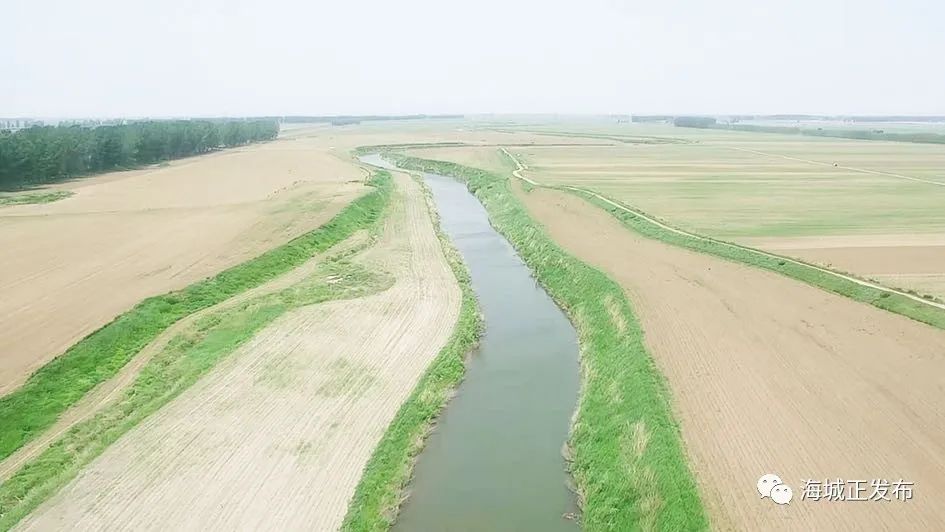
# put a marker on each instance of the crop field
(73, 265)
(869, 208)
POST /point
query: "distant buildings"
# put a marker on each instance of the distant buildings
(16, 124)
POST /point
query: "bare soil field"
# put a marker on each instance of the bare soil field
(110, 390)
(915, 262)
(277, 435)
(71, 266)
(769, 375)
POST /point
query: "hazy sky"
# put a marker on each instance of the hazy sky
(260, 57)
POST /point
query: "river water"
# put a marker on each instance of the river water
(494, 461)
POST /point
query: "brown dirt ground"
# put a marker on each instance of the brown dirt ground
(276, 436)
(914, 262)
(769, 375)
(71, 266)
(109, 390)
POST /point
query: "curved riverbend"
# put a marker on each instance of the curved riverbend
(494, 461)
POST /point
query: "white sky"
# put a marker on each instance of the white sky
(259, 57)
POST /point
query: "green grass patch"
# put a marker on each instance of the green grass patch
(188, 356)
(378, 495)
(27, 198)
(796, 270)
(56, 386)
(628, 459)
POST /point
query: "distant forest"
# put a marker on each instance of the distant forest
(859, 134)
(850, 118)
(38, 155)
(353, 119)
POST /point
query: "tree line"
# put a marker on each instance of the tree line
(859, 134)
(39, 155)
(354, 119)
(694, 121)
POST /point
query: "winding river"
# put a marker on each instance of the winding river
(494, 462)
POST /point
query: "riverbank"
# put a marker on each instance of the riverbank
(623, 424)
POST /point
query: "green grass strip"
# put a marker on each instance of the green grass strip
(187, 357)
(378, 494)
(365, 150)
(28, 198)
(55, 387)
(628, 459)
(789, 267)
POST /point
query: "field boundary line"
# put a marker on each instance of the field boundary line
(521, 167)
(829, 165)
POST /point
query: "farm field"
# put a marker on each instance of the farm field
(278, 434)
(768, 374)
(776, 192)
(71, 266)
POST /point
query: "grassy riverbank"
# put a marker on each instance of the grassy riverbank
(628, 460)
(379, 492)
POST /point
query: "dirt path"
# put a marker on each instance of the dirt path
(110, 389)
(769, 375)
(276, 436)
(71, 266)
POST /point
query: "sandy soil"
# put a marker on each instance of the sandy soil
(276, 436)
(71, 266)
(769, 375)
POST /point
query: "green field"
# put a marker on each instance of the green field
(736, 184)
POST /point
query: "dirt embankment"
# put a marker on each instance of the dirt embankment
(71, 266)
(276, 437)
(769, 375)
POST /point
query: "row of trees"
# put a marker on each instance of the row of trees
(861, 134)
(354, 119)
(693, 121)
(42, 154)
